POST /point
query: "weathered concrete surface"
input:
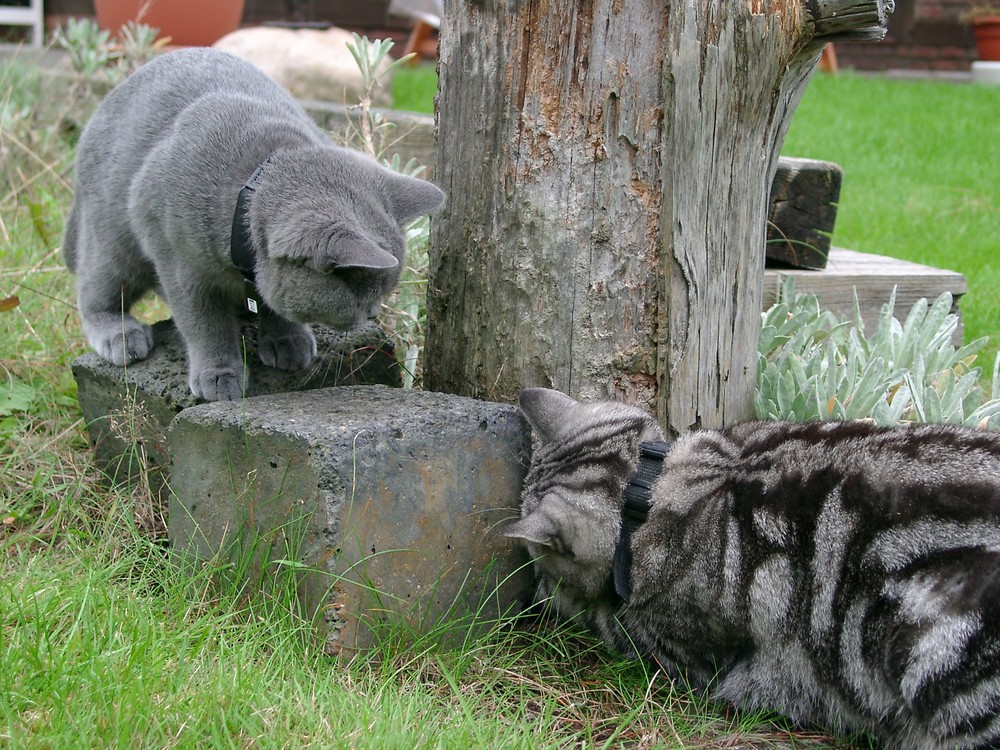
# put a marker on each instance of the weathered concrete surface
(392, 498)
(128, 409)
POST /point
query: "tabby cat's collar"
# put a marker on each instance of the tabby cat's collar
(638, 501)
(241, 249)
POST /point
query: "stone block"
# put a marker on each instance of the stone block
(386, 503)
(128, 409)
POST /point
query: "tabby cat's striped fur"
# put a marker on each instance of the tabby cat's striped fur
(837, 572)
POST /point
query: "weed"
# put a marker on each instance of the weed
(404, 315)
(101, 60)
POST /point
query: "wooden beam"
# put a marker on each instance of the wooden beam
(802, 212)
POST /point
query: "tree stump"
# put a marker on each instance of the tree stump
(608, 164)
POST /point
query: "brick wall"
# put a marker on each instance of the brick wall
(923, 35)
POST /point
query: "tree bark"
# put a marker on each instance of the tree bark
(608, 164)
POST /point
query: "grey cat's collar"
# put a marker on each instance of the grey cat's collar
(241, 249)
(638, 502)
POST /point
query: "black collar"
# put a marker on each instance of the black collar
(241, 248)
(638, 502)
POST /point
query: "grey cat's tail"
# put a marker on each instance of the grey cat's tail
(69, 240)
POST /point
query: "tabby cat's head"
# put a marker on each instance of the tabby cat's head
(327, 224)
(572, 499)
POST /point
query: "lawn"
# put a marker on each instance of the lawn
(105, 643)
(920, 176)
(414, 88)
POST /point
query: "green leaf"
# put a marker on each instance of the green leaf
(17, 396)
(813, 365)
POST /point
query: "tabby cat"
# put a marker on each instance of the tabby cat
(202, 178)
(837, 572)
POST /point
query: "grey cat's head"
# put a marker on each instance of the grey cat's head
(327, 225)
(572, 498)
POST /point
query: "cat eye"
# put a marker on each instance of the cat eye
(293, 261)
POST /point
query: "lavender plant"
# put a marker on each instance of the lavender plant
(404, 315)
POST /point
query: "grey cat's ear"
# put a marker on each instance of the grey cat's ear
(412, 197)
(534, 527)
(330, 248)
(354, 252)
(547, 410)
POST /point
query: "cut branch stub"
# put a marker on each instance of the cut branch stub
(849, 20)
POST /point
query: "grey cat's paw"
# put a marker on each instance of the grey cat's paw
(125, 344)
(218, 384)
(288, 352)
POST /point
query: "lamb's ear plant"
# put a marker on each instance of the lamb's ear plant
(814, 365)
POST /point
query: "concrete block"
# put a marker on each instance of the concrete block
(128, 409)
(392, 499)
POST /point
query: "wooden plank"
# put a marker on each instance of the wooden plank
(873, 276)
(802, 212)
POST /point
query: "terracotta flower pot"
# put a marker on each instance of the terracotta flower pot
(986, 31)
(193, 23)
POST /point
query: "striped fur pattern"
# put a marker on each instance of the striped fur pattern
(840, 573)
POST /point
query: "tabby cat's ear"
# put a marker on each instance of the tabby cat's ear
(412, 197)
(534, 527)
(546, 410)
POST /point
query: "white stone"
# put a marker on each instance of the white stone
(310, 64)
(985, 71)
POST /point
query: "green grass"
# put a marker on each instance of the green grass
(920, 177)
(106, 645)
(414, 88)
(105, 642)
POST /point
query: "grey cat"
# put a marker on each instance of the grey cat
(161, 167)
(840, 573)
